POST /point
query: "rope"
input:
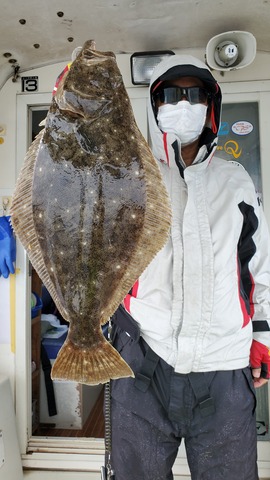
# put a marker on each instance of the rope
(108, 426)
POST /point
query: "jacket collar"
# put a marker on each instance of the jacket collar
(166, 148)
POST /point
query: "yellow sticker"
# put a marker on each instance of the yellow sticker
(232, 148)
(1, 140)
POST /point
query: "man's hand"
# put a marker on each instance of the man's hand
(260, 363)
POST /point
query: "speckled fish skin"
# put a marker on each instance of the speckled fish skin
(91, 210)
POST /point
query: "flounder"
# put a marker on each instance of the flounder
(91, 210)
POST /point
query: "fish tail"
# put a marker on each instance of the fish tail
(91, 366)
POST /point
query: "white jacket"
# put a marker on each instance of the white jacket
(195, 301)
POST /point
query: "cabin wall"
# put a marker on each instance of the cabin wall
(11, 157)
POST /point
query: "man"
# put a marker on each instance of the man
(199, 315)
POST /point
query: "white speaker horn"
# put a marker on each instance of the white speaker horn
(231, 50)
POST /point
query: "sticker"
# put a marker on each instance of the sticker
(1, 140)
(242, 127)
(224, 129)
(29, 84)
(3, 129)
(232, 148)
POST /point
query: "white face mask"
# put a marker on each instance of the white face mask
(183, 119)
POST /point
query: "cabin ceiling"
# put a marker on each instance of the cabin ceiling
(41, 32)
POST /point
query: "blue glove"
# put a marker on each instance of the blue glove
(7, 247)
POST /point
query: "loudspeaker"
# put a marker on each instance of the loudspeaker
(231, 50)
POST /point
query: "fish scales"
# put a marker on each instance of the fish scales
(91, 210)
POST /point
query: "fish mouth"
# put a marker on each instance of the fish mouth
(95, 56)
(90, 44)
(89, 52)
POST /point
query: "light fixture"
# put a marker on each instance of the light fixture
(142, 65)
(231, 50)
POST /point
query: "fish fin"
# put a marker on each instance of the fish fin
(90, 366)
(22, 219)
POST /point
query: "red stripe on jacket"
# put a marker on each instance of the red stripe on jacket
(166, 148)
(134, 293)
(251, 302)
(246, 315)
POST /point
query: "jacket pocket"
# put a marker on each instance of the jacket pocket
(121, 339)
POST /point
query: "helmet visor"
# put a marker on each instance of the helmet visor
(173, 95)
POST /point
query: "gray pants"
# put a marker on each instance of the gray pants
(147, 427)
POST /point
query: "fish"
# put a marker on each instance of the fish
(91, 210)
